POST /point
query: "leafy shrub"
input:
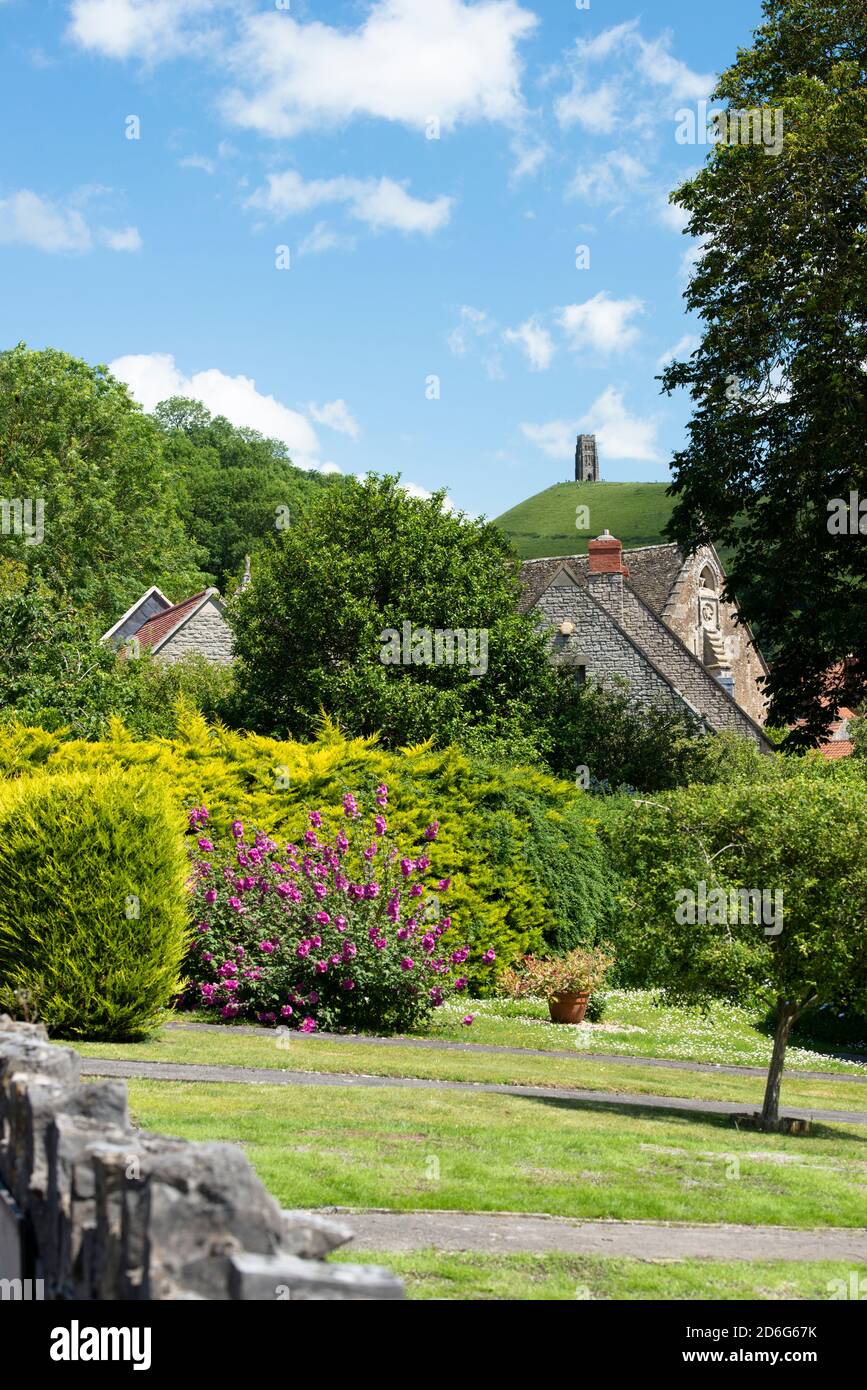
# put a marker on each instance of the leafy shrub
(518, 845)
(578, 972)
(93, 902)
(807, 838)
(341, 932)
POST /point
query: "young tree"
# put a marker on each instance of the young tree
(778, 438)
(803, 847)
(103, 523)
(335, 617)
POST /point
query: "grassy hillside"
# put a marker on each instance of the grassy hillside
(635, 513)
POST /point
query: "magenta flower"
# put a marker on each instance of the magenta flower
(444, 885)
(461, 983)
(406, 867)
(407, 963)
(371, 890)
(308, 1025)
(380, 944)
(267, 947)
(340, 923)
(211, 895)
(322, 966)
(380, 825)
(489, 956)
(382, 795)
(349, 950)
(315, 819)
(236, 905)
(342, 843)
(432, 830)
(302, 949)
(237, 829)
(467, 1020)
(350, 805)
(229, 1011)
(322, 918)
(348, 984)
(311, 839)
(205, 845)
(313, 997)
(286, 1011)
(320, 891)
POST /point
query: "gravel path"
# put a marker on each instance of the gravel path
(495, 1234)
(617, 1058)
(265, 1076)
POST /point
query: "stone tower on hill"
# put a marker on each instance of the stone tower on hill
(586, 459)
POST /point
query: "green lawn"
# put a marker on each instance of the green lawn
(431, 1274)
(408, 1149)
(636, 1024)
(295, 1052)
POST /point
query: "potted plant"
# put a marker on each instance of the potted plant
(565, 981)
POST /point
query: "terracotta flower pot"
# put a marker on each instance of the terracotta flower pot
(568, 1008)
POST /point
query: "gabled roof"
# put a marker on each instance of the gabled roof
(666, 642)
(150, 598)
(157, 630)
(653, 572)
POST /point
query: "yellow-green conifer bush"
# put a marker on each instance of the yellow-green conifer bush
(519, 845)
(94, 905)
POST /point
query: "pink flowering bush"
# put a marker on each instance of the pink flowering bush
(342, 931)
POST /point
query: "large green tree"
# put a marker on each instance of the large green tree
(235, 486)
(364, 560)
(77, 451)
(779, 425)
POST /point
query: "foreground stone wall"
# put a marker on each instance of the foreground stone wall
(91, 1208)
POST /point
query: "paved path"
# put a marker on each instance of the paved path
(616, 1058)
(266, 1076)
(496, 1234)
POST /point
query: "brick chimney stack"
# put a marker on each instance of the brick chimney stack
(606, 572)
(606, 555)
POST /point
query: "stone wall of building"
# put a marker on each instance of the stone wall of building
(681, 613)
(91, 1208)
(597, 645)
(206, 631)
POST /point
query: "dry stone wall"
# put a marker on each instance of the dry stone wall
(92, 1208)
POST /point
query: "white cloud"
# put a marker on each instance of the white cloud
(152, 30)
(474, 323)
(152, 377)
(377, 202)
(337, 416)
(601, 324)
(198, 161)
(125, 239)
(534, 341)
(409, 60)
(324, 238)
(619, 434)
(644, 82)
(612, 179)
(678, 351)
(31, 220)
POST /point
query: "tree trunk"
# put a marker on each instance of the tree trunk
(787, 1012)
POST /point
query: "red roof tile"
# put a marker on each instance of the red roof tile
(158, 627)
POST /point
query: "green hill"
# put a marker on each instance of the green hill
(635, 513)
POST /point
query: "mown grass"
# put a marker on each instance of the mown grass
(545, 524)
(430, 1274)
(406, 1149)
(295, 1052)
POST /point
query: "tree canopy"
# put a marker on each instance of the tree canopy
(779, 426)
(235, 487)
(78, 451)
(367, 560)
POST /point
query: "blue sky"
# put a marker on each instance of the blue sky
(429, 168)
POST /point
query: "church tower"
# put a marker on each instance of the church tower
(586, 459)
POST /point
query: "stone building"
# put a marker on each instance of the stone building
(171, 630)
(586, 459)
(656, 618)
